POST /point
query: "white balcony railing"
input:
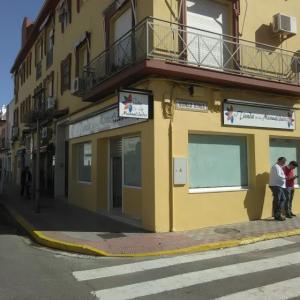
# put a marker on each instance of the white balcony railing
(157, 39)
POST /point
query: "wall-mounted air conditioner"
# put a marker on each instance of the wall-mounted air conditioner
(284, 24)
(77, 85)
(50, 103)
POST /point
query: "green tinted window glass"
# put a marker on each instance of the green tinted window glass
(217, 161)
(132, 161)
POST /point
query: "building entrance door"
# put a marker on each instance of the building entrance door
(116, 175)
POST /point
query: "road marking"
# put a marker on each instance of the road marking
(176, 260)
(277, 291)
(193, 278)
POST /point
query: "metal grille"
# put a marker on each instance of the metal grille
(157, 39)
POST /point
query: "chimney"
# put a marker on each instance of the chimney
(26, 30)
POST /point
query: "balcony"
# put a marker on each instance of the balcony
(192, 53)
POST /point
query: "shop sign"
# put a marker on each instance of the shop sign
(258, 116)
(135, 104)
(106, 120)
(191, 105)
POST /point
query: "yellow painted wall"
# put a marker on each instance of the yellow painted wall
(256, 17)
(137, 203)
(211, 208)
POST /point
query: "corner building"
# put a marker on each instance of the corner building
(171, 113)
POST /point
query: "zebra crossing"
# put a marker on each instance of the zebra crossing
(169, 276)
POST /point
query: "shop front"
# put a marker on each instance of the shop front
(110, 159)
(203, 160)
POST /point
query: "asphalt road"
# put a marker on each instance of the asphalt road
(266, 270)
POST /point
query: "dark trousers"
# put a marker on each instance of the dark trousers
(279, 199)
(25, 188)
(289, 200)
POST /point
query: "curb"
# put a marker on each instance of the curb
(42, 239)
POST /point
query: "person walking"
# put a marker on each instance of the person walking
(26, 179)
(290, 183)
(277, 184)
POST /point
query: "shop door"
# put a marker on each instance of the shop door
(116, 174)
(117, 182)
(206, 47)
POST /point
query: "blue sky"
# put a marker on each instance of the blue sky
(11, 17)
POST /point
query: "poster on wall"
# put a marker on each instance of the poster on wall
(247, 115)
(135, 104)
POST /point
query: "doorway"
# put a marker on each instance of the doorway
(116, 201)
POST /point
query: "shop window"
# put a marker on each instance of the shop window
(66, 73)
(132, 161)
(217, 161)
(284, 147)
(84, 162)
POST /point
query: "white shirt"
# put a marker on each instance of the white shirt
(277, 176)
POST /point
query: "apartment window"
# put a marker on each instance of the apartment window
(16, 117)
(217, 161)
(82, 55)
(84, 162)
(288, 148)
(132, 161)
(65, 69)
(38, 58)
(65, 14)
(49, 85)
(29, 62)
(80, 4)
(49, 46)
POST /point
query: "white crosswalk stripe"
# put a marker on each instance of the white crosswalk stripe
(166, 262)
(287, 289)
(170, 282)
(188, 279)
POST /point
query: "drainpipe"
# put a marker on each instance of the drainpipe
(169, 113)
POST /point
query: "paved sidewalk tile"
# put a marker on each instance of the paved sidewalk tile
(64, 226)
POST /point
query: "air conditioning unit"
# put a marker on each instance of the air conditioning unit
(50, 103)
(77, 85)
(284, 24)
(44, 132)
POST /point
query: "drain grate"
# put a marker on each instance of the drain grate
(226, 230)
(111, 235)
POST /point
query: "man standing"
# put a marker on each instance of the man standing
(290, 182)
(277, 183)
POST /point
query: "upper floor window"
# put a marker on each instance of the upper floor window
(65, 13)
(38, 58)
(49, 85)
(65, 71)
(49, 46)
(82, 54)
(79, 4)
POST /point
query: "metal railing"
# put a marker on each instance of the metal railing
(157, 39)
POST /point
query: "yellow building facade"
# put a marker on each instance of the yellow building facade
(174, 111)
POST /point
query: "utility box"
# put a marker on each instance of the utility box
(179, 170)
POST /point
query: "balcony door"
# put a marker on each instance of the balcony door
(122, 49)
(207, 21)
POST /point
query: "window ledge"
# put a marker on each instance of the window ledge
(85, 182)
(132, 187)
(218, 189)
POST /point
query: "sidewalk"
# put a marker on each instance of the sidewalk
(65, 227)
